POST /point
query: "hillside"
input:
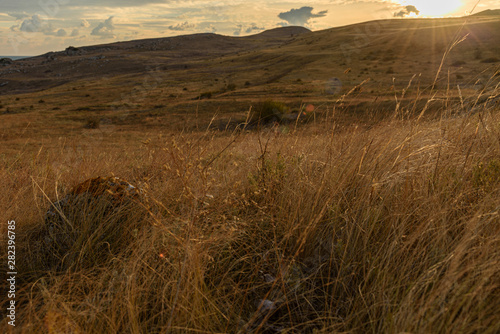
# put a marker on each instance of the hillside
(170, 78)
(337, 181)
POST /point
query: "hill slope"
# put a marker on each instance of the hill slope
(288, 63)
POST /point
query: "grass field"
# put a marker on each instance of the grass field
(380, 217)
(323, 227)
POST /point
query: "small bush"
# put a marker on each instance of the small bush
(270, 111)
(205, 95)
(390, 70)
(231, 87)
(41, 101)
(92, 123)
(459, 76)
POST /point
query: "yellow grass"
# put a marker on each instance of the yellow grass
(364, 219)
(325, 227)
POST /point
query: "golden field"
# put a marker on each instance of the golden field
(376, 211)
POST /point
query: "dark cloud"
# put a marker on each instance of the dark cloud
(300, 16)
(407, 10)
(181, 26)
(253, 27)
(104, 29)
(75, 32)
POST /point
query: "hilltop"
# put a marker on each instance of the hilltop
(488, 12)
(367, 62)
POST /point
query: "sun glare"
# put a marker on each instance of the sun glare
(434, 7)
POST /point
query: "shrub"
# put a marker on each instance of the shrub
(390, 70)
(92, 123)
(270, 111)
(231, 87)
(205, 95)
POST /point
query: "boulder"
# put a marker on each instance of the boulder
(72, 51)
(6, 61)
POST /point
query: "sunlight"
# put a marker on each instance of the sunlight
(433, 7)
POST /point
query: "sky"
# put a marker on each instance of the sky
(33, 27)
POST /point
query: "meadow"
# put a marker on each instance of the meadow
(321, 227)
(366, 215)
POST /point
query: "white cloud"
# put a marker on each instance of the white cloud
(37, 24)
(104, 29)
(84, 24)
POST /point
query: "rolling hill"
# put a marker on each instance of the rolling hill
(366, 61)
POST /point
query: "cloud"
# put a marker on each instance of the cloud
(238, 31)
(75, 32)
(39, 24)
(19, 16)
(253, 27)
(181, 26)
(406, 11)
(36, 24)
(211, 28)
(84, 23)
(104, 29)
(61, 33)
(300, 16)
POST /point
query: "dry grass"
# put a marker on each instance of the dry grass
(328, 227)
